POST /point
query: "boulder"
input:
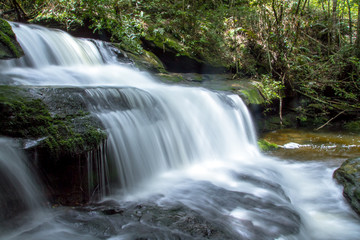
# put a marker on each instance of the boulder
(9, 47)
(348, 175)
(177, 59)
(59, 135)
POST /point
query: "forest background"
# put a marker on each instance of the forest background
(303, 51)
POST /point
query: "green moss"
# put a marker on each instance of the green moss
(9, 47)
(170, 78)
(169, 44)
(252, 96)
(154, 60)
(148, 61)
(6, 28)
(26, 117)
(266, 146)
(22, 116)
(66, 137)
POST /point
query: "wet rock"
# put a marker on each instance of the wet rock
(148, 220)
(9, 47)
(58, 133)
(179, 216)
(348, 175)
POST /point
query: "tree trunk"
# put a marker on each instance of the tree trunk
(21, 15)
(357, 42)
(298, 7)
(306, 1)
(334, 21)
(350, 22)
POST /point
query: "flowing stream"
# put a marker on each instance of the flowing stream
(185, 159)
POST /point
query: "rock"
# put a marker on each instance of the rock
(266, 146)
(9, 47)
(348, 175)
(251, 95)
(146, 61)
(176, 59)
(58, 133)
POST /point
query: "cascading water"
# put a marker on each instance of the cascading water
(185, 159)
(18, 187)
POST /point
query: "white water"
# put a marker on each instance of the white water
(21, 188)
(180, 145)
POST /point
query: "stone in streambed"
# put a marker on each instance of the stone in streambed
(348, 175)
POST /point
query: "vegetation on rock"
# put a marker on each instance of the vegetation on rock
(24, 116)
(349, 176)
(9, 47)
(266, 146)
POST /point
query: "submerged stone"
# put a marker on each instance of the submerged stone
(207, 214)
(348, 175)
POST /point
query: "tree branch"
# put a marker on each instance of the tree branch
(330, 120)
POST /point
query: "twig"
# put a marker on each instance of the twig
(330, 120)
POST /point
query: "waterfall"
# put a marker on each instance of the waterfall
(19, 189)
(151, 133)
(152, 127)
(184, 159)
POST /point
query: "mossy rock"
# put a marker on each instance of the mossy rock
(176, 56)
(252, 96)
(26, 116)
(266, 146)
(57, 130)
(170, 77)
(348, 175)
(147, 61)
(167, 44)
(9, 47)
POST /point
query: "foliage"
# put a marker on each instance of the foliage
(124, 24)
(270, 88)
(353, 126)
